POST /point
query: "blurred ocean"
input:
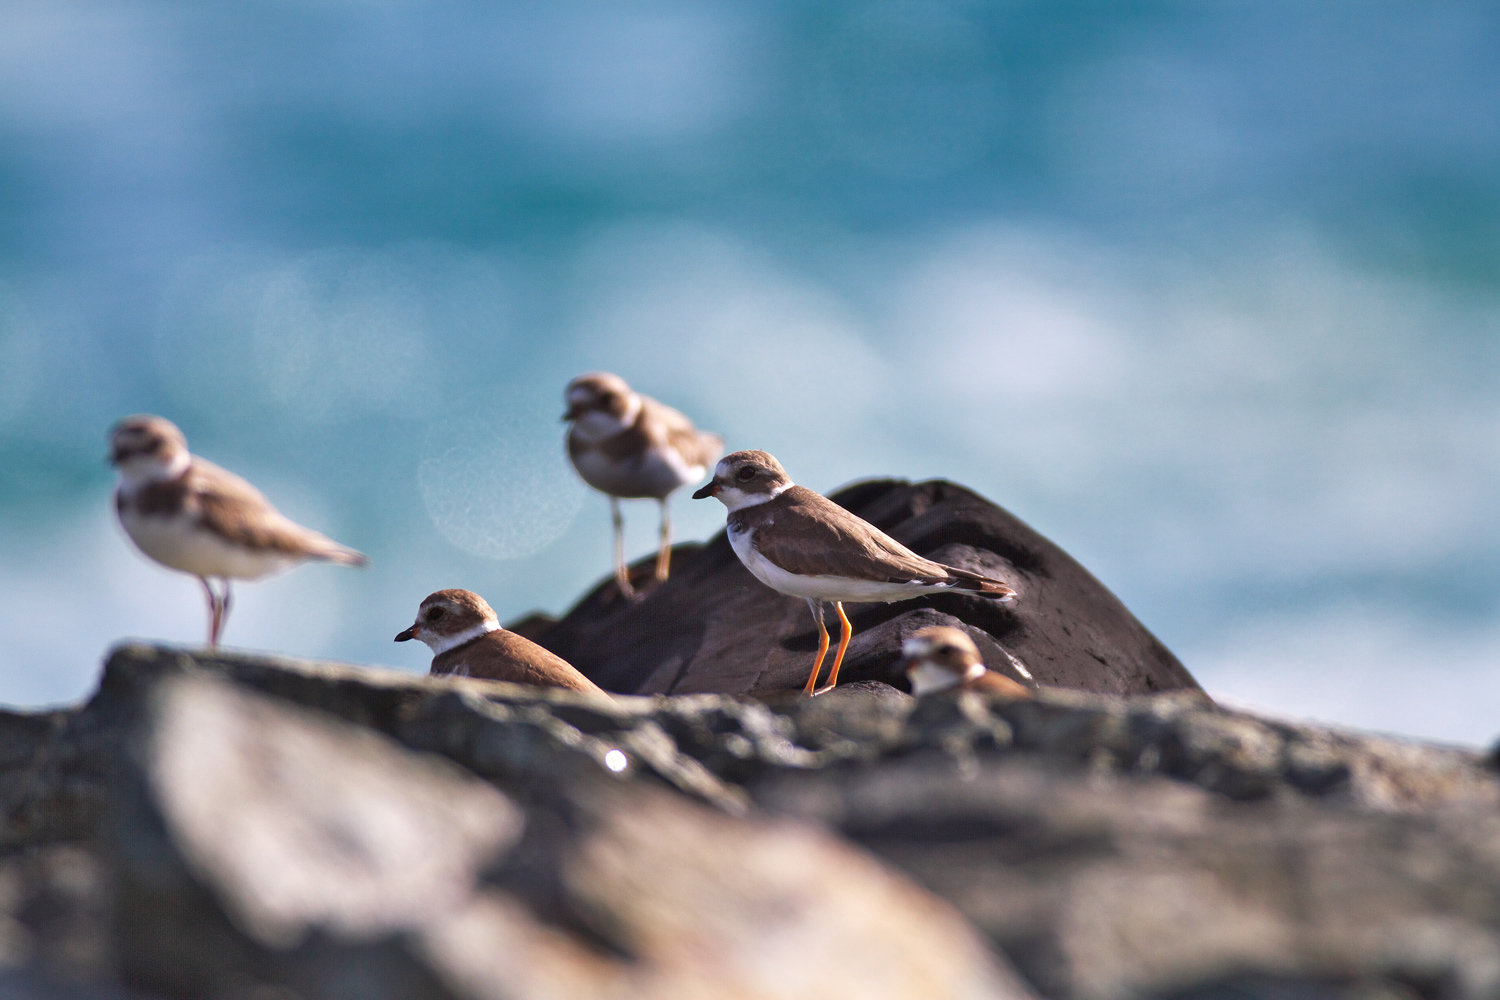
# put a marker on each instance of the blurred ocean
(1208, 293)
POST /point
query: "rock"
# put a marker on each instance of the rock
(714, 628)
(244, 826)
(259, 845)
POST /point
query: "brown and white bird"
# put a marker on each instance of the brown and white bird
(466, 639)
(804, 545)
(190, 515)
(941, 657)
(629, 446)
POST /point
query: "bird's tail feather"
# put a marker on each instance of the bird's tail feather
(343, 555)
(973, 583)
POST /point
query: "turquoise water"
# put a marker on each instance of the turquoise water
(1210, 294)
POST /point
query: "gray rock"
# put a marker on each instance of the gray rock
(249, 825)
(256, 844)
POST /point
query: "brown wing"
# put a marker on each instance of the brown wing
(820, 538)
(505, 656)
(678, 433)
(817, 537)
(992, 683)
(237, 512)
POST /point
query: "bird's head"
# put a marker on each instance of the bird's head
(146, 448)
(600, 404)
(450, 618)
(940, 657)
(746, 478)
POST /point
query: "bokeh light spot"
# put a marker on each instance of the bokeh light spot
(499, 487)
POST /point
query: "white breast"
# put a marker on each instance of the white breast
(823, 588)
(179, 543)
(926, 678)
(657, 473)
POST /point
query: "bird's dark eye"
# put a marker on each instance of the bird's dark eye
(947, 650)
(433, 614)
(745, 475)
(607, 399)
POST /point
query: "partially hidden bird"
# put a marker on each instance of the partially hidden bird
(466, 639)
(802, 544)
(190, 515)
(941, 658)
(629, 446)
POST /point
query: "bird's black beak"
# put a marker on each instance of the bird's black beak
(711, 490)
(115, 457)
(410, 633)
(574, 412)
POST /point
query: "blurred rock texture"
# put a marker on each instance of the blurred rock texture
(714, 627)
(246, 827)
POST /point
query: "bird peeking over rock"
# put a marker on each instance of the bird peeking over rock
(942, 658)
(466, 639)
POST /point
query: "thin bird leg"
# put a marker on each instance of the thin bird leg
(846, 633)
(224, 603)
(622, 573)
(817, 610)
(213, 612)
(664, 554)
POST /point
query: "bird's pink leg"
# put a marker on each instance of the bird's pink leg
(224, 603)
(213, 612)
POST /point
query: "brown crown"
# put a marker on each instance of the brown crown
(144, 434)
(461, 609)
(764, 471)
(597, 391)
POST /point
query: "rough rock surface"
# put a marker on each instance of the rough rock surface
(236, 826)
(714, 628)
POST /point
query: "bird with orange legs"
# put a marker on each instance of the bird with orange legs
(802, 544)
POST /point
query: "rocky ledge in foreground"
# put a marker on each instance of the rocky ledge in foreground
(714, 628)
(248, 827)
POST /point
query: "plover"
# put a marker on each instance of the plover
(804, 545)
(629, 446)
(466, 639)
(190, 515)
(941, 657)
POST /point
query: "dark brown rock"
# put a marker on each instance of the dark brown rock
(714, 628)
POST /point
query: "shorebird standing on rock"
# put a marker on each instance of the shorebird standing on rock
(942, 657)
(466, 639)
(802, 544)
(190, 515)
(629, 446)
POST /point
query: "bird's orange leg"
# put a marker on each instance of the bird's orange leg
(817, 610)
(846, 632)
(664, 554)
(622, 572)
